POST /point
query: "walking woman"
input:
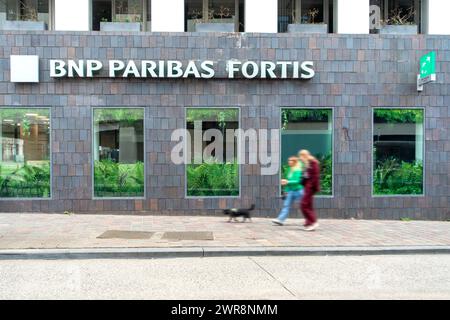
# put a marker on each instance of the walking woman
(293, 188)
(311, 184)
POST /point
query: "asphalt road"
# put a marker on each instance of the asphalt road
(344, 277)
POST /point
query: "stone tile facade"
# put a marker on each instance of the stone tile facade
(353, 74)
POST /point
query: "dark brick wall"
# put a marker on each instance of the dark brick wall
(353, 74)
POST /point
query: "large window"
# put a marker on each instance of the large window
(24, 10)
(394, 12)
(212, 168)
(24, 153)
(119, 152)
(398, 152)
(199, 14)
(310, 129)
(304, 12)
(131, 11)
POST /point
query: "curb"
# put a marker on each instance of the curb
(203, 252)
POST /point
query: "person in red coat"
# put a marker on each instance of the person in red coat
(311, 183)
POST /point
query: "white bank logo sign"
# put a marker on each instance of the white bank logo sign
(177, 69)
(26, 69)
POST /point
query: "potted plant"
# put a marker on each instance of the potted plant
(307, 24)
(220, 21)
(123, 21)
(24, 19)
(400, 22)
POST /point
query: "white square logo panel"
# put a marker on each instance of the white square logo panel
(24, 69)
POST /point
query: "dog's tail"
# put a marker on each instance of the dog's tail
(252, 207)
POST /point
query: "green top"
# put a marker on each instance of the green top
(293, 177)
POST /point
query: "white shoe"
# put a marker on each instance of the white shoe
(312, 227)
(278, 222)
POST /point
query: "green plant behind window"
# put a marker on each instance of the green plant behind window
(214, 179)
(398, 115)
(125, 116)
(304, 115)
(27, 181)
(392, 177)
(113, 179)
(212, 114)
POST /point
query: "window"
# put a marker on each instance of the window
(311, 12)
(201, 13)
(118, 152)
(24, 153)
(25, 10)
(310, 129)
(394, 12)
(211, 171)
(398, 152)
(131, 11)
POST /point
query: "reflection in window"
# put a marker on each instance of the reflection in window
(214, 11)
(24, 153)
(217, 175)
(118, 152)
(312, 11)
(393, 12)
(127, 11)
(398, 152)
(24, 10)
(302, 12)
(118, 11)
(310, 129)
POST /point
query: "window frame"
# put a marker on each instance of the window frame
(51, 22)
(186, 196)
(372, 158)
(93, 197)
(50, 154)
(333, 148)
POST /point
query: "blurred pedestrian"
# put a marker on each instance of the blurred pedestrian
(311, 185)
(292, 187)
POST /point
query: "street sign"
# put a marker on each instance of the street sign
(427, 70)
(428, 65)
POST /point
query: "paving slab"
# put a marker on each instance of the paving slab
(120, 234)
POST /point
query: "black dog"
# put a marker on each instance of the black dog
(234, 213)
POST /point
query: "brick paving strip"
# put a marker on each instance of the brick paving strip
(74, 236)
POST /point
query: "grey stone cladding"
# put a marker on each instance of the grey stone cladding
(354, 73)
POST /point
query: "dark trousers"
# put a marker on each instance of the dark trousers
(306, 205)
